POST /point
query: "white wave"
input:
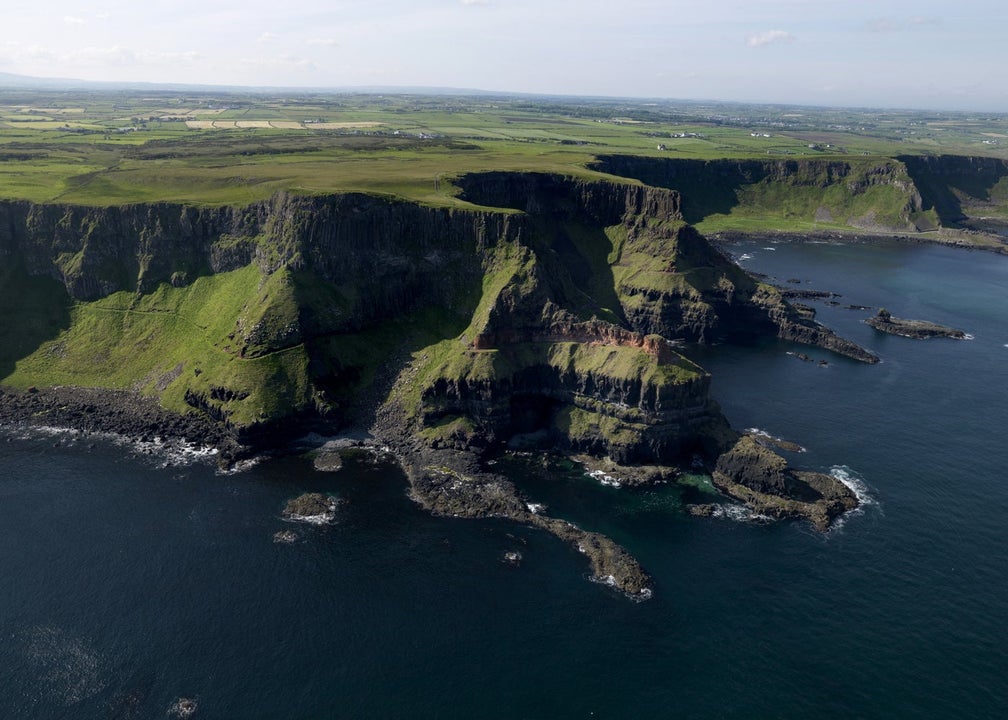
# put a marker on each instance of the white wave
(744, 256)
(171, 452)
(535, 508)
(857, 485)
(321, 519)
(773, 249)
(968, 336)
(239, 467)
(758, 432)
(855, 482)
(609, 580)
(605, 479)
(739, 513)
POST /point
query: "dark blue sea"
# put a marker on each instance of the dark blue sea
(132, 577)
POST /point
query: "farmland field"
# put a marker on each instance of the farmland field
(112, 148)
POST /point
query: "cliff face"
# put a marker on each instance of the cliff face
(551, 324)
(389, 251)
(873, 195)
(958, 187)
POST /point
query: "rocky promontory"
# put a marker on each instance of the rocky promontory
(546, 315)
(916, 329)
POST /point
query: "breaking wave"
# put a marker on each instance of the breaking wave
(739, 513)
(604, 478)
(857, 485)
(170, 453)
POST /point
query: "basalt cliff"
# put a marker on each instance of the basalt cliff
(543, 314)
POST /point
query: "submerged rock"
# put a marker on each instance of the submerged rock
(916, 329)
(183, 708)
(285, 537)
(701, 509)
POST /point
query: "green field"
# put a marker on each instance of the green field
(116, 148)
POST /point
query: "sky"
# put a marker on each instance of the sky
(949, 55)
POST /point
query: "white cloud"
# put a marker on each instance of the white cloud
(475, 2)
(769, 37)
(324, 42)
(71, 20)
(267, 37)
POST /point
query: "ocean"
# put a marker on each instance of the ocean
(134, 577)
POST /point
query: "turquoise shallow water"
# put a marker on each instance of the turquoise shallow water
(128, 584)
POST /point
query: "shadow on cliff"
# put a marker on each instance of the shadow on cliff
(33, 310)
(577, 257)
(954, 186)
(707, 187)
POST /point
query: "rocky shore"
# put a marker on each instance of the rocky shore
(456, 483)
(453, 482)
(120, 412)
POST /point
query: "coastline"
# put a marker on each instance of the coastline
(963, 239)
(120, 412)
(446, 483)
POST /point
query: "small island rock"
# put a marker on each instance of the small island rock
(916, 329)
(311, 507)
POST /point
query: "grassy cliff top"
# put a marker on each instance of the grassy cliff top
(95, 149)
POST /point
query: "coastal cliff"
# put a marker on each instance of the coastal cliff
(543, 316)
(867, 194)
(950, 199)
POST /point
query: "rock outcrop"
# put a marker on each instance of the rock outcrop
(916, 329)
(762, 479)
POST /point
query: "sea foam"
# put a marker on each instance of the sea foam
(857, 485)
(605, 479)
(739, 513)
